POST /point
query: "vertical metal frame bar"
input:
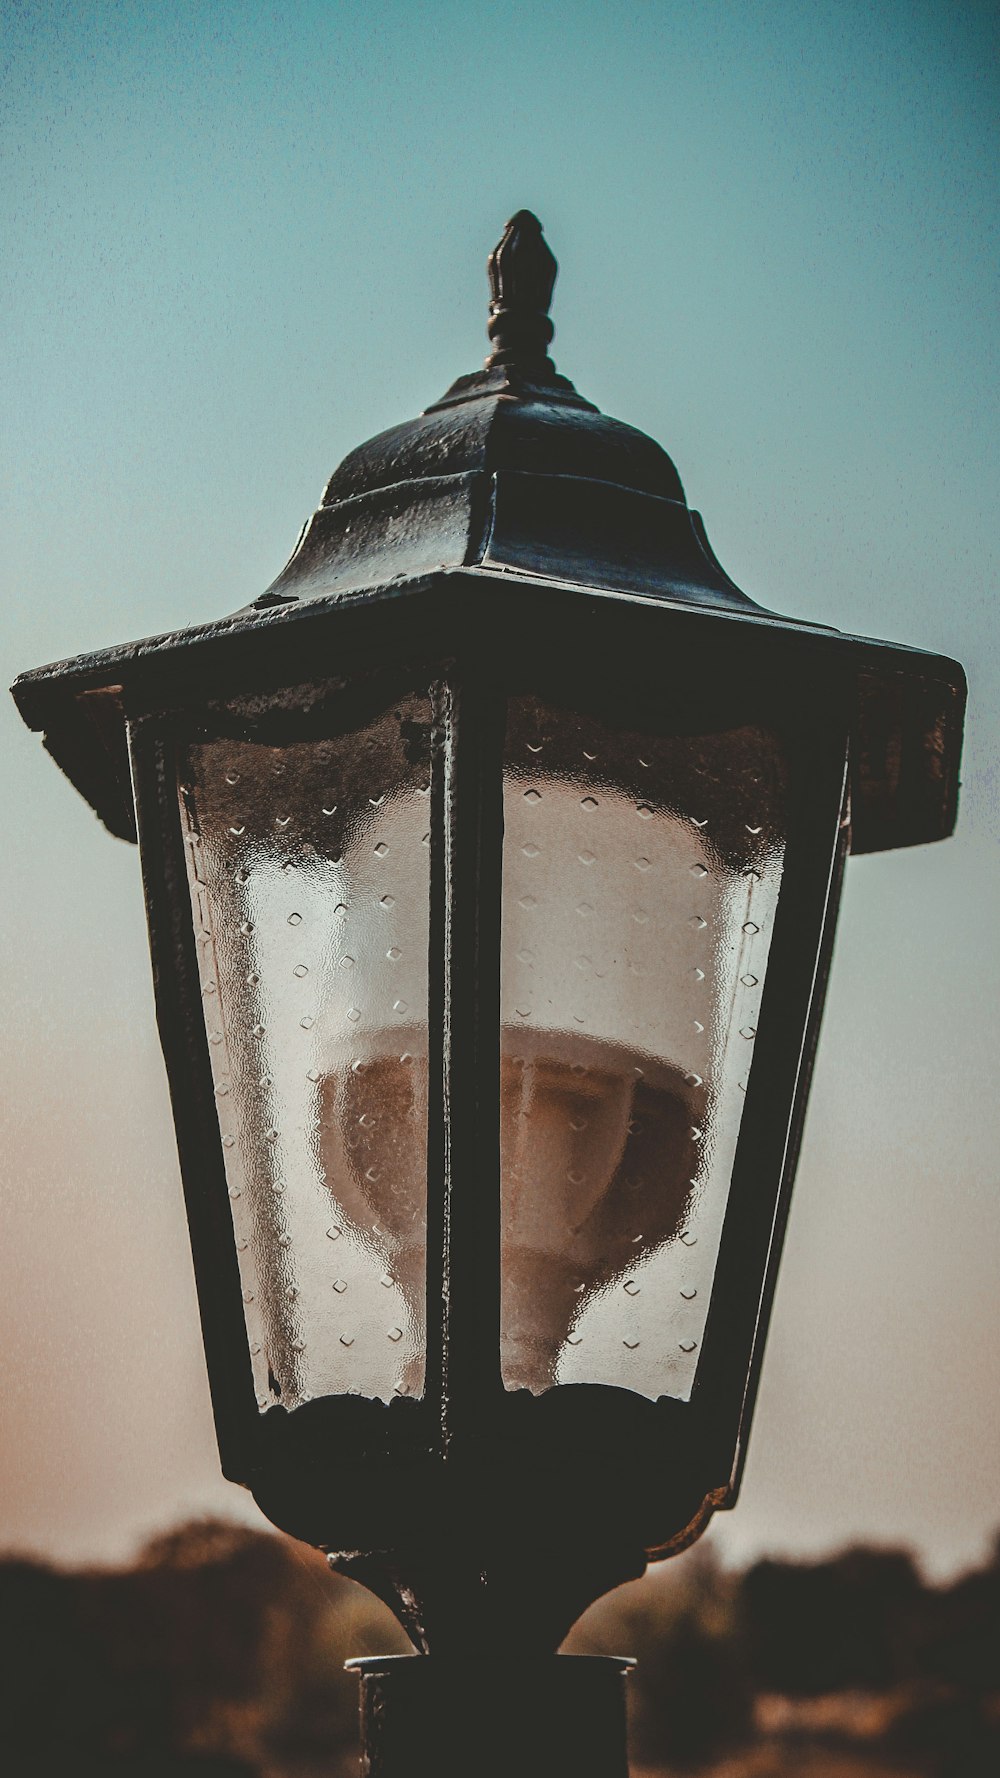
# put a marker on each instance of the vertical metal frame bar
(467, 1120)
(181, 1022)
(767, 1151)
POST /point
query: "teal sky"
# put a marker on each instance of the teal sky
(241, 238)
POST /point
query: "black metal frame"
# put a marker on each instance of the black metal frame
(532, 1492)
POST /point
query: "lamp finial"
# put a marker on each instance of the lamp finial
(522, 272)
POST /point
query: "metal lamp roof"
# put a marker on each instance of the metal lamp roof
(514, 479)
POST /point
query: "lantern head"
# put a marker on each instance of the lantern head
(492, 860)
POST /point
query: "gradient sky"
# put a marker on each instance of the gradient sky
(240, 238)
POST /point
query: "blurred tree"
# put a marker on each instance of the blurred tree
(853, 1622)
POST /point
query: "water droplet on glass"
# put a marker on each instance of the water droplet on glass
(696, 1132)
(523, 1012)
(340, 1285)
(208, 988)
(644, 762)
(354, 1014)
(381, 849)
(376, 801)
(248, 1296)
(587, 857)
(227, 1142)
(748, 926)
(527, 902)
(295, 919)
(576, 1178)
(222, 1089)
(748, 1031)
(400, 1006)
(644, 811)
(698, 870)
(215, 1037)
(688, 1239)
(641, 863)
(688, 1345)
(588, 802)
(532, 796)
(395, 1333)
(578, 1123)
(333, 1233)
(698, 922)
(246, 928)
(573, 1339)
(258, 1031)
(640, 916)
(239, 828)
(387, 1280)
(255, 1349)
(590, 756)
(631, 1287)
(385, 901)
(347, 1339)
(689, 1295)
(284, 1239)
(271, 1134)
(278, 1186)
(530, 850)
(753, 829)
(329, 808)
(253, 978)
(526, 956)
(232, 777)
(749, 981)
(394, 953)
(584, 908)
(291, 1293)
(300, 970)
(631, 1344)
(298, 1345)
(535, 746)
(693, 1080)
(282, 821)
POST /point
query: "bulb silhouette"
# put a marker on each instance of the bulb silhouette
(598, 1152)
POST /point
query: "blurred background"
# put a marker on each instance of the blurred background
(239, 240)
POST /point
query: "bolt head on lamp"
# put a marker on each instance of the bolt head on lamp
(492, 860)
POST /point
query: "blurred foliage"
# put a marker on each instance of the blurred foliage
(220, 1653)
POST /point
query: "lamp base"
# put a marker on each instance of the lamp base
(550, 1716)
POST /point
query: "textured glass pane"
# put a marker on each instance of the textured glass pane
(641, 876)
(309, 868)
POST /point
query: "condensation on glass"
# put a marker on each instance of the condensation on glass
(309, 871)
(641, 876)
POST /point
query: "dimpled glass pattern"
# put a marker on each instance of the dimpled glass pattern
(641, 876)
(309, 873)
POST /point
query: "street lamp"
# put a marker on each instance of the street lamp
(492, 860)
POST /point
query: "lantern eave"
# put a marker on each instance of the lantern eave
(907, 705)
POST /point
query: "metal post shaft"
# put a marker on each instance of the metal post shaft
(553, 1716)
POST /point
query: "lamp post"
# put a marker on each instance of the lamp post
(492, 860)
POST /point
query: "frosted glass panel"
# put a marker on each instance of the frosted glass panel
(641, 877)
(309, 871)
